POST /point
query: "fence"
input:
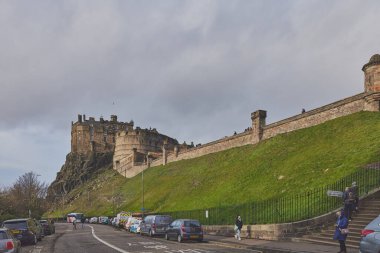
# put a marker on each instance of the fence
(286, 209)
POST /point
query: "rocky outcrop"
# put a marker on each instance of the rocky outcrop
(78, 168)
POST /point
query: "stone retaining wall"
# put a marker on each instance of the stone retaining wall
(274, 232)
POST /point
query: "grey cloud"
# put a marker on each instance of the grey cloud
(195, 70)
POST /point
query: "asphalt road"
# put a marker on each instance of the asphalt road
(94, 238)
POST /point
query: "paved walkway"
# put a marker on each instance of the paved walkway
(275, 246)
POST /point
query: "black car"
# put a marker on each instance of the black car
(185, 229)
(155, 224)
(25, 230)
(48, 227)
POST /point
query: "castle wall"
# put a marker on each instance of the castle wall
(131, 148)
(357, 103)
(237, 140)
(317, 116)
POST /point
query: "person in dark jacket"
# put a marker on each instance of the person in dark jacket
(83, 220)
(238, 226)
(348, 201)
(340, 233)
(355, 191)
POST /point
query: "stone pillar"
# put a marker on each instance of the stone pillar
(258, 123)
(176, 151)
(372, 102)
(79, 118)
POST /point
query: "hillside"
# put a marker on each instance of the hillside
(284, 165)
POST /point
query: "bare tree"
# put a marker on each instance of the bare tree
(27, 195)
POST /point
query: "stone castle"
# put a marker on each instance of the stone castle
(136, 149)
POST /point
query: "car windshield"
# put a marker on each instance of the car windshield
(43, 221)
(15, 224)
(3, 235)
(163, 219)
(192, 223)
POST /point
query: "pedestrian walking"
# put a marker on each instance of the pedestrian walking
(355, 191)
(75, 224)
(238, 226)
(83, 220)
(341, 230)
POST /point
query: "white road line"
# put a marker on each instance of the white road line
(37, 249)
(106, 243)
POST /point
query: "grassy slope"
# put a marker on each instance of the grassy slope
(305, 159)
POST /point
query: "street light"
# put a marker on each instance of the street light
(142, 180)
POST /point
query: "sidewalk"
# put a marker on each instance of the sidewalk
(274, 246)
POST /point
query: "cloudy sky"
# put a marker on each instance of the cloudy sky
(194, 70)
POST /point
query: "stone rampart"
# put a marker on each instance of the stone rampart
(260, 131)
(361, 102)
(317, 116)
(213, 147)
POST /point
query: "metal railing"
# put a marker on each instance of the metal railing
(286, 209)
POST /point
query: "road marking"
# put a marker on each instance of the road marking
(106, 243)
(37, 249)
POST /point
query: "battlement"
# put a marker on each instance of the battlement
(89, 135)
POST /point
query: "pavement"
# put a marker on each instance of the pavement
(274, 246)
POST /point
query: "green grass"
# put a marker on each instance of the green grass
(287, 164)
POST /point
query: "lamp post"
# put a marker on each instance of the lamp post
(142, 181)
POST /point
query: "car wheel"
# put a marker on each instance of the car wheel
(179, 238)
(167, 236)
(150, 233)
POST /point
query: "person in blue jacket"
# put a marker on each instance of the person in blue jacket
(341, 225)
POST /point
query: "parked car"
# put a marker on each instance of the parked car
(48, 227)
(155, 224)
(25, 230)
(8, 243)
(94, 220)
(370, 242)
(185, 229)
(135, 227)
(129, 222)
(103, 220)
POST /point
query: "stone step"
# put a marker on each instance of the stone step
(355, 231)
(351, 244)
(351, 236)
(360, 223)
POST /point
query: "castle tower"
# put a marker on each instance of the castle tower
(372, 74)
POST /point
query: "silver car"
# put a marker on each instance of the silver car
(8, 243)
(370, 242)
